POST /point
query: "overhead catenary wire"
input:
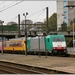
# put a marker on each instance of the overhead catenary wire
(7, 6)
(13, 19)
(39, 14)
(34, 20)
(2, 2)
(35, 13)
(12, 6)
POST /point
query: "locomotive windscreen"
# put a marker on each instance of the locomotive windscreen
(58, 39)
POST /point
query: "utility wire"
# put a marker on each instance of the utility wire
(11, 6)
(2, 2)
(13, 18)
(7, 5)
(39, 14)
(35, 13)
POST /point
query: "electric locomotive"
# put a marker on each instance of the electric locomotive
(53, 44)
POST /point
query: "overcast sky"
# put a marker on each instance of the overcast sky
(9, 10)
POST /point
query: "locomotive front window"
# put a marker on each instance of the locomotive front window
(58, 39)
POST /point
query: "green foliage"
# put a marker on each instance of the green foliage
(43, 27)
(32, 68)
(71, 22)
(69, 41)
(70, 27)
(52, 23)
(63, 26)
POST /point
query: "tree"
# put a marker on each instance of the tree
(63, 26)
(52, 23)
(70, 27)
(71, 22)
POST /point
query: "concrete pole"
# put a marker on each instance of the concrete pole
(19, 24)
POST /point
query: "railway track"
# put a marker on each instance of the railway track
(14, 68)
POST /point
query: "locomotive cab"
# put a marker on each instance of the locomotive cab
(56, 44)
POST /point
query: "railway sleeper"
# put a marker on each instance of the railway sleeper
(18, 70)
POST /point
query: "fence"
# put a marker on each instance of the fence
(71, 49)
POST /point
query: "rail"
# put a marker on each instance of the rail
(15, 68)
(11, 68)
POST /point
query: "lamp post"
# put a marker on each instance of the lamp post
(71, 7)
(25, 14)
(2, 34)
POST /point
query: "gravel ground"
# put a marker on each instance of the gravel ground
(42, 61)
